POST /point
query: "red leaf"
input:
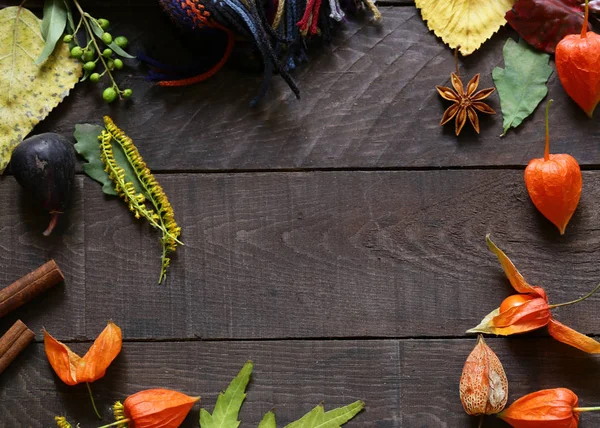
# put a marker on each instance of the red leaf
(544, 23)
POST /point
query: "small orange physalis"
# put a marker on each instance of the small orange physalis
(73, 369)
(554, 184)
(578, 66)
(549, 408)
(529, 310)
(483, 384)
(155, 408)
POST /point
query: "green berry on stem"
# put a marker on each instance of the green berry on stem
(109, 95)
(89, 66)
(107, 53)
(107, 38)
(127, 93)
(121, 42)
(95, 78)
(89, 55)
(76, 52)
(118, 64)
(68, 38)
(104, 24)
(110, 64)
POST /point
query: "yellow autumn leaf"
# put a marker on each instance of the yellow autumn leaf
(464, 23)
(28, 92)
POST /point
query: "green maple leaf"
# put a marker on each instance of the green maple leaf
(318, 418)
(522, 83)
(268, 421)
(229, 403)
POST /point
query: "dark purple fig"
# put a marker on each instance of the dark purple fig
(44, 165)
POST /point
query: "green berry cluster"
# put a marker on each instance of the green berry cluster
(98, 55)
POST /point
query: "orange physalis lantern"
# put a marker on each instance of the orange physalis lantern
(529, 310)
(554, 184)
(578, 66)
(549, 408)
(157, 408)
(483, 384)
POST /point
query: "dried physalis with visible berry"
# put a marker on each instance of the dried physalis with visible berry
(483, 384)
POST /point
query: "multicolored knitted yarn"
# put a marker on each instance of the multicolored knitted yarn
(277, 28)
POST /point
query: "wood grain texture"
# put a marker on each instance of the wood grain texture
(24, 248)
(330, 254)
(369, 101)
(290, 376)
(405, 383)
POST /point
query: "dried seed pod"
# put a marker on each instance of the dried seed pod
(483, 384)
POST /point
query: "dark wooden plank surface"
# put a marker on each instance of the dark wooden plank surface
(405, 383)
(355, 282)
(315, 254)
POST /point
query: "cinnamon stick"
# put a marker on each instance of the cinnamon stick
(26, 288)
(13, 343)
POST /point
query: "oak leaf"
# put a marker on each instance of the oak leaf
(544, 23)
(28, 92)
(464, 23)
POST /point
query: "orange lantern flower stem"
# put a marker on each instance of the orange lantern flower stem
(481, 421)
(547, 149)
(89, 388)
(114, 424)
(581, 299)
(586, 20)
(586, 409)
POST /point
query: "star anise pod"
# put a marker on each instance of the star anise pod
(465, 103)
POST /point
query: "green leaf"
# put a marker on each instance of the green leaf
(318, 418)
(98, 31)
(69, 16)
(88, 147)
(268, 421)
(229, 403)
(120, 51)
(53, 26)
(522, 83)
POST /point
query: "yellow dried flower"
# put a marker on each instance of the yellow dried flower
(161, 216)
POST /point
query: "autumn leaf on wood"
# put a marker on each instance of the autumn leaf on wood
(522, 83)
(229, 403)
(464, 23)
(28, 92)
(318, 418)
(544, 23)
(88, 147)
(268, 421)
